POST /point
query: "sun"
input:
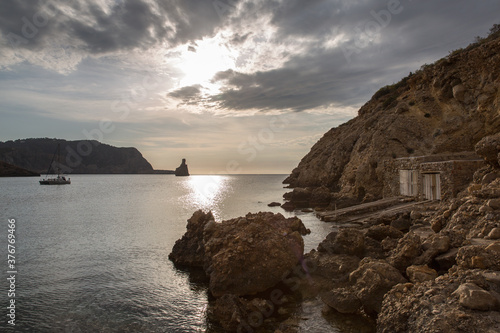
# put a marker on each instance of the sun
(201, 61)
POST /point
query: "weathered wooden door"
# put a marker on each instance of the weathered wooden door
(432, 186)
(408, 182)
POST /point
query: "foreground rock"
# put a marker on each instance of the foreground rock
(250, 254)
(241, 256)
(466, 295)
(459, 301)
(190, 250)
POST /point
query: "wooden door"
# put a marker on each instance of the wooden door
(432, 186)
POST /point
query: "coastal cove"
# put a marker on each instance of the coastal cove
(94, 255)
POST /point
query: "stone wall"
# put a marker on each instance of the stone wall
(455, 170)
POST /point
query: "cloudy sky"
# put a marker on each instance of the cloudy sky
(234, 86)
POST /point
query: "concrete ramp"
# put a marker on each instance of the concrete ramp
(375, 209)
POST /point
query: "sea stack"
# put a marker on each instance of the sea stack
(182, 170)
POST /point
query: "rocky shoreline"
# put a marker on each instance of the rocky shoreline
(434, 269)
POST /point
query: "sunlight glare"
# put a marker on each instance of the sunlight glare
(207, 192)
(210, 56)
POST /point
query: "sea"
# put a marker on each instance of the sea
(93, 256)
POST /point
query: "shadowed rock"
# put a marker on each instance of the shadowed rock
(189, 250)
(182, 170)
(241, 256)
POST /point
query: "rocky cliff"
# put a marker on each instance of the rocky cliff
(75, 156)
(442, 108)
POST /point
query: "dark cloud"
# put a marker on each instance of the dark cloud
(316, 83)
(127, 25)
(187, 93)
(373, 49)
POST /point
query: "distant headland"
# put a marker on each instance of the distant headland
(9, 170)
(77, 157)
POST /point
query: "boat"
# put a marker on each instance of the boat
(60, 179)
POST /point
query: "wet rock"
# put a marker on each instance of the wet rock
(236, 314)
(231, 312)
(274, 204)
(330, 269)
(250, 254)
(288, 206)
(189, 250)
(342, 300)
(372, 280)
(418, 274)
(473, 297)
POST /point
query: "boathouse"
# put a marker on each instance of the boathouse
(432, 177)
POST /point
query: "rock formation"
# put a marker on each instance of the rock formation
(242, 256)
(182, 170)
(445, 107)
(76, 156)
(443, 275)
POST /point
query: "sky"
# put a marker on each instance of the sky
(233, 86)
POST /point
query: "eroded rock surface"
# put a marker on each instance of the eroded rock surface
(241, 256)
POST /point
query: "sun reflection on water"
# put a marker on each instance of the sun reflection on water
(207, 192)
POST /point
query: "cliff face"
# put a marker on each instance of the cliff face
(443, 108)
(75, 156)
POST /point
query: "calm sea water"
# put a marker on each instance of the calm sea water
(93, 256)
